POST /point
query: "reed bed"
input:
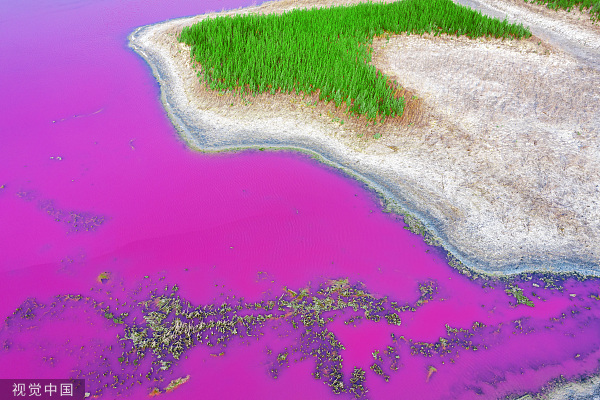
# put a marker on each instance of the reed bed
(326, 50)
(593, 6)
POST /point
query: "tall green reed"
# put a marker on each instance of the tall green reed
(592, 6)
(303, 51)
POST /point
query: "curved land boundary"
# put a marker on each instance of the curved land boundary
(497, 157)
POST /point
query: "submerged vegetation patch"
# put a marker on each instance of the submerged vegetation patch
(326, 50)
(153, 327)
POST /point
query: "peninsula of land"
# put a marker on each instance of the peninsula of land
(496, 157)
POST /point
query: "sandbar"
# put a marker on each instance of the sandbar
(497, 158)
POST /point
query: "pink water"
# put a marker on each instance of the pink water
(95, 180)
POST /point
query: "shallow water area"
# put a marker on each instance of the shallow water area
(142, 266)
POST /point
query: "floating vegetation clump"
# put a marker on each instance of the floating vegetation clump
(151, 330)
(517, 292)
(171, 325)
(326, 50)
(593, 6)
(159, 327)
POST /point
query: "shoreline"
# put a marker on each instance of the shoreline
(207, 128)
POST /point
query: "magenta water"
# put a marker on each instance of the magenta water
(147, 268)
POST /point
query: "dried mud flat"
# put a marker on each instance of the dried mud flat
(497, 154)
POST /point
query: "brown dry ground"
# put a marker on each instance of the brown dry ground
(498, 149)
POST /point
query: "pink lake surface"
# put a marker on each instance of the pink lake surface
(95, 180)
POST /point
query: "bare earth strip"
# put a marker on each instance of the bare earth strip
(498, 153)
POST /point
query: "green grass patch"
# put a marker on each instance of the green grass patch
(592, 6)
(326, 49)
